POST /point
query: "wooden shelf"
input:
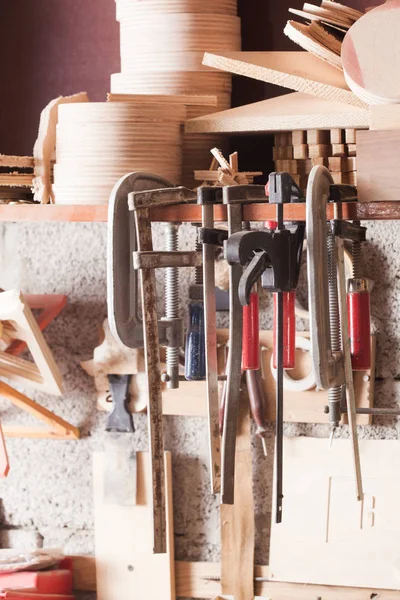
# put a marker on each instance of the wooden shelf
(50, 212)
(372, 211)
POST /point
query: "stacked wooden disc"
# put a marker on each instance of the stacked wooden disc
(162, 48)
(97, 143)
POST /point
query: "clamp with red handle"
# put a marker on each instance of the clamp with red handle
(274, 255)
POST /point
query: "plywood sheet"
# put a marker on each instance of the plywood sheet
(300, 71)
(291, 112)
(327, 537)
(126, 565)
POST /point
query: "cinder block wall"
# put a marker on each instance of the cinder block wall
(47, 499)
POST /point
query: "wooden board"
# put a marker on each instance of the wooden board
(371, 62)
(385, 117)
(302, 35)
(44, 149)
(327, 537)
(299, 407)
(17, 161)
(126, 565)
(237, 521)
(200, 580)
(291, 112)
(300, 71)
(378, 164)
(188, 100)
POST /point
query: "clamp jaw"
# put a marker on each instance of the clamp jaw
(273, 255)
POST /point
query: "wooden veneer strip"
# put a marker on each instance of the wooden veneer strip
(300, 71)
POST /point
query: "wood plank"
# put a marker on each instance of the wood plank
(188, 100)
(26, 213)
(319, 150)
(20, 162)
(318, 136)
(124, 540)
(378, 177)
(237, 521)
(343, 165)
(385, 117)
(346, 535)
(339, 150)
(300, 152)
(309, 40)
(291, 112)
(43, 373)
(201, 580)
(300, 71)
(299, 138)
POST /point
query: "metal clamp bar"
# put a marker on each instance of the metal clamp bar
(234, 366)
(165, 260)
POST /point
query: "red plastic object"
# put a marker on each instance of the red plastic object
(289, 330)
(57, 581)
(359, 315)
(21, 595)
(251, 335)
(4, 462)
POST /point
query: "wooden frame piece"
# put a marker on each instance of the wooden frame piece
(43, 374)
(58, 428)
(50, 306)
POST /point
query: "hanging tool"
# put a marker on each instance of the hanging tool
(172, 304)
(209, 237)
(275, 256)
(120, 458)
(359, 312)
(124, 311)
(251, 329)
(289, 326)
(146, 261)
(234, 197)
(331, 348)
(195, 349)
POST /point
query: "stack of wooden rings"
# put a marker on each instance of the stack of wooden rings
(162, 48)
(99, 142)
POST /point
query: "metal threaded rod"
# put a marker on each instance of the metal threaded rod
(172, 302)
(198, 274)
(356, 251)
(335, 393)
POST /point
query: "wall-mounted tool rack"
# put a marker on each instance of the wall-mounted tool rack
(353, 211)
